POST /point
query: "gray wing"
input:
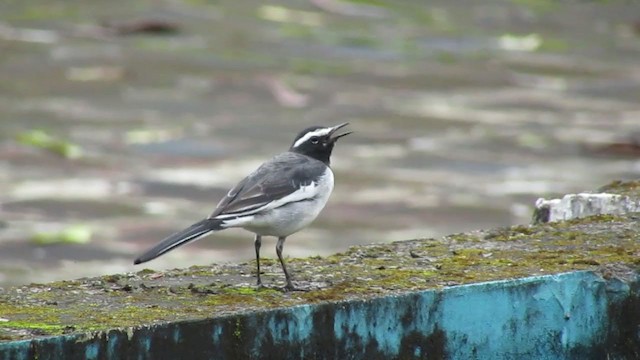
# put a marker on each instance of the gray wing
(273, 180)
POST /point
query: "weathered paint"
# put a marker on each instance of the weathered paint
(576, 315)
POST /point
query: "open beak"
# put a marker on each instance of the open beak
(336, 128)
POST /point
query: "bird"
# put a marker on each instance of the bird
(281, 197)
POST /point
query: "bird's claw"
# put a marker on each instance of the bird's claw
(289, 287)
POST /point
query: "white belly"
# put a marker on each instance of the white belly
(292, 217)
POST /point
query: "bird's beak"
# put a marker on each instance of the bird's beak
(336, 128)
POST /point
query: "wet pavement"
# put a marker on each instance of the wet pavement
(121, 122)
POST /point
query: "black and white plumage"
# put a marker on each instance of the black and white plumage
(281, 197)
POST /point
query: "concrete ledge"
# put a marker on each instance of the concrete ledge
(556, 290)
(573, 315)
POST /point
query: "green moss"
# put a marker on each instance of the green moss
(42, 327)
(462, 237)
(591, 219)
(237, 332)
(131, 300)
(112, 278)
(510, 234)
(523, 229)
(267, 262)
(39, 319)
(60, 284)
(246, 290)
(627, 188)
(145, 272)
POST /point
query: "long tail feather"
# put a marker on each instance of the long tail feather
(192, 233)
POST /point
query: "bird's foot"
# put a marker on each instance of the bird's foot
(289, 287)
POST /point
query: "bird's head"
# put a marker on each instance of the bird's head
(317, 141)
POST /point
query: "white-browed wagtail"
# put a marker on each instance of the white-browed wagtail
(282, 196)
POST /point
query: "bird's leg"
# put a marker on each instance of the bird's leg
(279, 247)
(257, 243)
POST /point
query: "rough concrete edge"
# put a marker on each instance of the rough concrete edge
(616, 198)
(237, 337)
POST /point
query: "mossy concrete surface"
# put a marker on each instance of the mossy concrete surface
(576, 315)
(399, 289)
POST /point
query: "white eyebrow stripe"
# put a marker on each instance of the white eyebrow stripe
(309, 135)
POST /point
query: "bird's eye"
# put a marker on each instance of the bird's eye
(314, 140)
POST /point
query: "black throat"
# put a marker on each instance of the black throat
(319, 153)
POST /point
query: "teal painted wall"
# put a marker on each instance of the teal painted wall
(575, 315)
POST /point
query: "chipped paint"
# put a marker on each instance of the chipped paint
(575, 315)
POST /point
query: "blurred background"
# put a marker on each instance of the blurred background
(123, 121)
